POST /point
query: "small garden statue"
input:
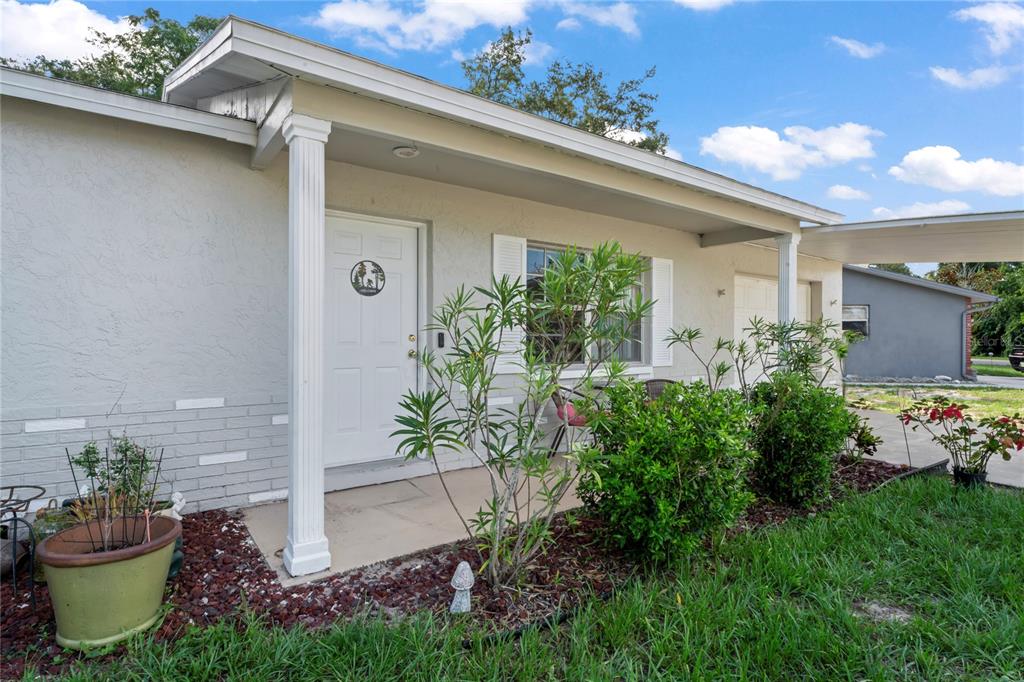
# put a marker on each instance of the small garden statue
(462, 583)
(177, 505)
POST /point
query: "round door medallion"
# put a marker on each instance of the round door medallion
(367, 278)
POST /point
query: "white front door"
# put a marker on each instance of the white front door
(370, 327)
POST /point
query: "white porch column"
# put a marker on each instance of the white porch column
(306, 548)
(787, 244)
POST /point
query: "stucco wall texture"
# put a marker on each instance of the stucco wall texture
(150, 266)
(913, 331)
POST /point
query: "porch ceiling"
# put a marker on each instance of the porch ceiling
(959, 238)
(443, 165)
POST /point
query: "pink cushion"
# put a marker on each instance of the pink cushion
(569, 411)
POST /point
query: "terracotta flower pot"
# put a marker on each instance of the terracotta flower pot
(103, 597)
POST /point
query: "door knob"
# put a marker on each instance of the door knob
(412, 353)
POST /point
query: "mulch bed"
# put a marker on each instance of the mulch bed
(225, 573)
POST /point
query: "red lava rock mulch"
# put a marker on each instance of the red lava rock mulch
(224, 571)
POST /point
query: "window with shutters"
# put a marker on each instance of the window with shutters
(538, 257)
(856, 319)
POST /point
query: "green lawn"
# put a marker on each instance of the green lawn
(998, 371)
(987, 401)
(778, 604)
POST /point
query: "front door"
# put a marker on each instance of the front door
(370, 328)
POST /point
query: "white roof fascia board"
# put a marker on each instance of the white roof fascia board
(923, 221)
(317, 62)
(60, 93)
(975, 296)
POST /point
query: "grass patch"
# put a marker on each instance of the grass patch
(983, 401)
(780, 604)
(997, 371)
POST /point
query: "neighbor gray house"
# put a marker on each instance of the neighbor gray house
(242, 274)
(912, 327)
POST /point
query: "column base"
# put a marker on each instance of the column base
(307, 557)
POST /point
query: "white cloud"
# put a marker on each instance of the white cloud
(634, 136)
(942, 168)
(859, 49)
(704, 5)
(57, 29)
(1003, 23)
(972, 80)
(537, 52)
(920, 209)
(847, 193)
(620, 15)
(673, 153)
(569, 24)
(785, 159)
(428, 25)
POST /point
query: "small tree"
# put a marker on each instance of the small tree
(580, 311)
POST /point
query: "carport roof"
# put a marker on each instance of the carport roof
(975, 296)
(967, 238)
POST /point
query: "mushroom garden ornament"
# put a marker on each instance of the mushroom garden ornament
(462, 583)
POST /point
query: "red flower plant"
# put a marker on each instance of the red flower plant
(970, 443)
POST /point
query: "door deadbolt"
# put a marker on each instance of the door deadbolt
(412, 338)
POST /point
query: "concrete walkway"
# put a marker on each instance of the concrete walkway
(378, 522)
(1002, 382)
(924, 452)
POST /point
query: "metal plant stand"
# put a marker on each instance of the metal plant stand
(14, 503)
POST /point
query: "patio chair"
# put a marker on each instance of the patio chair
(562, 398)
(655, 387)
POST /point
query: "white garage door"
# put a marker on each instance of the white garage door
(759, 297)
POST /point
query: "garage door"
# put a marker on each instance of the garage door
(759, 297)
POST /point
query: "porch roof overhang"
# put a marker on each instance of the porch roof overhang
(967, 238)
(241, 54)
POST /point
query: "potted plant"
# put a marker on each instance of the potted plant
(106, 574)
(970, 443)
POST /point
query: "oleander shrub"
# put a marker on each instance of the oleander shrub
(799, 430)
(671, 471)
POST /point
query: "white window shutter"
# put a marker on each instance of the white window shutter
(510, 259)
(661, 314)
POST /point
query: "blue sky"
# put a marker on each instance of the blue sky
(923, 113)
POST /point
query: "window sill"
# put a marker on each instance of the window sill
(631, 370)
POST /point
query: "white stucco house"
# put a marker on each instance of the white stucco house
(184, 269)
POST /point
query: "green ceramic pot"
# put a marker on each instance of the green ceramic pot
(103, 597)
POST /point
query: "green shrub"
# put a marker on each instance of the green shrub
(673, 470)
(799, 430)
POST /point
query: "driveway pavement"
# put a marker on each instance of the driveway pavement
(1005, 382)
(923, 452)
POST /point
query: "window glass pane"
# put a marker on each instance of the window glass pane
(855, 313)
(537, 259)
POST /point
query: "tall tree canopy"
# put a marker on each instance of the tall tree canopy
(1002, 325)
(134, 62)
(575, 94)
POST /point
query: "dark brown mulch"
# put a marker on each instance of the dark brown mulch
(224, 573)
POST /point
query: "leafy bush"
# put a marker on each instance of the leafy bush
(799, 430)
(673, 470)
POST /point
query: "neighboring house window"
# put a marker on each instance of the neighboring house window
(538, 257)
(855, 319)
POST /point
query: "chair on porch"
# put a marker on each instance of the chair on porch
(655, 387)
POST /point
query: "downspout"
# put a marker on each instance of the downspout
(969, 310)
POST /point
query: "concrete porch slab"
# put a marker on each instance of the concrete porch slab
(377, 522)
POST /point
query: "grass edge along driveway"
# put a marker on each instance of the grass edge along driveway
(779, 604)
(982, 401)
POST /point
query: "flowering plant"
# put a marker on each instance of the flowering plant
(970, 443)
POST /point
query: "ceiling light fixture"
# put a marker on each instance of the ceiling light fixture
(403, 151)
